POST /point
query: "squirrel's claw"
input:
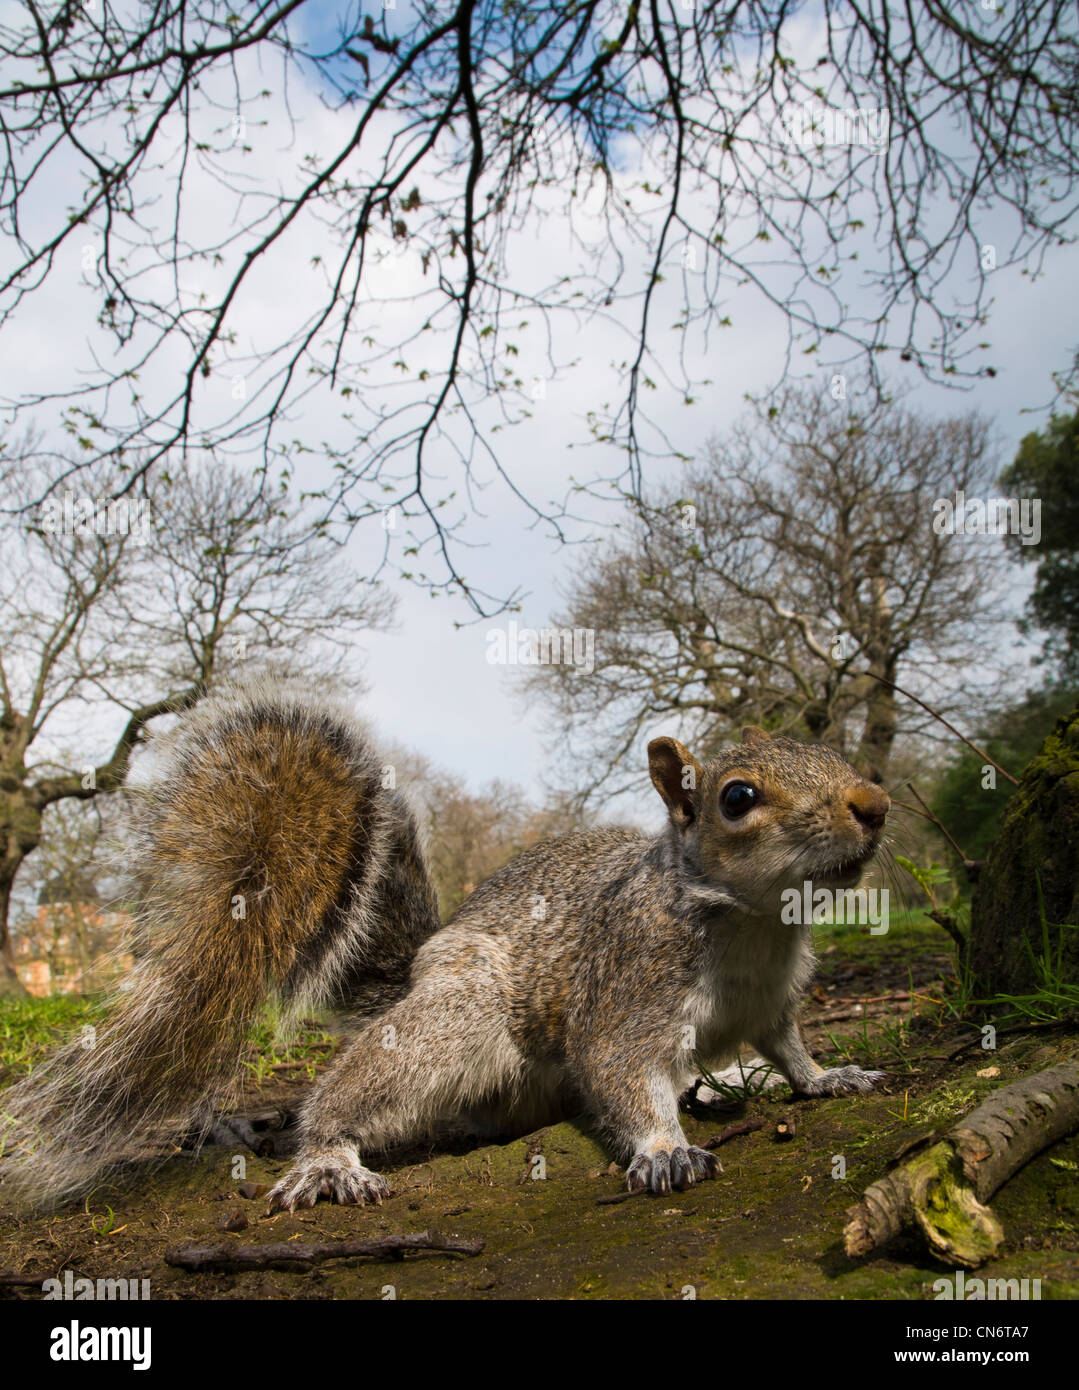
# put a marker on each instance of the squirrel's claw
(841, 1081)
(341, 1179)
(662, 1169)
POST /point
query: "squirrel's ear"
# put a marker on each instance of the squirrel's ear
(675, 773)
(753, 734)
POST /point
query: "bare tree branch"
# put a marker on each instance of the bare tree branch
(687, 152)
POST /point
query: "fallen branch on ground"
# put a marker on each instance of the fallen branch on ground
(234, 1258)
(899, 994)
(942, 1190)
(861, 1012)
(23, 1281)
(732, 1132)
(978, 1040)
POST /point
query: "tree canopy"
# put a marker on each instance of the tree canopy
(792, 578)
(1046, 468)
(839, 160)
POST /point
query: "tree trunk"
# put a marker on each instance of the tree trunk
(1038, 840)
(824, 723)
(10, 984)
(20, 835)
(878, 732)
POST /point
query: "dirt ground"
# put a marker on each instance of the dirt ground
(769, 1227)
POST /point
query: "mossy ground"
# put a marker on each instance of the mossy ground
(769, 1227)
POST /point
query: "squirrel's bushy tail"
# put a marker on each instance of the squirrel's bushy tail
(270, 859)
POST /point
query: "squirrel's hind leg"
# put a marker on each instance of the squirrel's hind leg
(441, 1048)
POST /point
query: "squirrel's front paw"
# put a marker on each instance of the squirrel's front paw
(338, 1175)
(841, 1081)
(661, 1169)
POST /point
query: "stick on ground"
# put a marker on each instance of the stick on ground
(284, 1254)
(942, 1190)
(732, 1132)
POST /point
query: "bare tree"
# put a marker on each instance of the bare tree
(805, 152)
(68, 924)
(127, 611)
(790, 580)
(471, 834)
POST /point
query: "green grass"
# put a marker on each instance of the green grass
(308, 1042)
(883, 1041)
(1054, 998)
(30, 1028)
(910, 939)
(753, 1082)
(906, 927)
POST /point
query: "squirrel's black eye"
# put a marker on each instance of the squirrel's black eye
(737, 798)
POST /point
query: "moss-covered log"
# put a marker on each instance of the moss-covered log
(1039, 837)
(942, 1190)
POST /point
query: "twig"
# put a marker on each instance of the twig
(944, 919)
(931, 815)
(1002, 1033)
(970, 865)
(23, 1281)
(860, 1009)
(732, 1132)
(872, 998)
(950, 727)
(199, 1258)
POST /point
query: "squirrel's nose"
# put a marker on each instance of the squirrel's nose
(869, 805)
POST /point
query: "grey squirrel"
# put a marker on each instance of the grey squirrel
(589, 974)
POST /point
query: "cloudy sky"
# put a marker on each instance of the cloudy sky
(431, 685)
